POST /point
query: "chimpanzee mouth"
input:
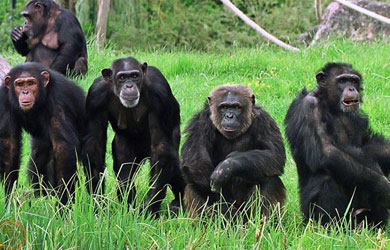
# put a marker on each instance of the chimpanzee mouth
(129, 102)
(350, 102)
(229, 129)
(26, 105)
(129, 98)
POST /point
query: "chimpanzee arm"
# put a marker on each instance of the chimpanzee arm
(94, 143)
(10, 138)
(255, 165)
(71, 39)
(164, 162)
(376, 147)
(301, 132)
(197, 165)
(66, 145)
(19, 39)
(311, 144)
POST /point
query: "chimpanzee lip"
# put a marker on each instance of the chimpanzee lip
(229, 129)
(129, 98)
(26, 103)
(350, 102)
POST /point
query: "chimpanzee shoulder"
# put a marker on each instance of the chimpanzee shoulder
(161, 99)
(263, 123)
(200, 123)
(99, 94)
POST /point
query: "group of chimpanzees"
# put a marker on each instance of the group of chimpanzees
(233, 154)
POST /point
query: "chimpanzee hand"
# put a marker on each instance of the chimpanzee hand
(222, 174)
(17, 33)
(384, 192)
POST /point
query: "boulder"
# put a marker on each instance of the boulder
(4, 68)
(342, 21)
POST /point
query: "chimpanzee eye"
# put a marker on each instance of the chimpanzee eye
(134, 75)
(30, 83)
(19, 84)
(121, 77)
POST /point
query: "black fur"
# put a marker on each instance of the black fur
(55, 123)
(150, 129)
(66, 32)
(253, 159)
(339, 158)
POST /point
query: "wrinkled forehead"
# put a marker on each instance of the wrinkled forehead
(127, 64)
(345, 70)
(25, 74)
(229, 96)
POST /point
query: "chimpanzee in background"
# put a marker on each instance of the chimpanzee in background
(52, 36)
(137, 101)
(234, 149)
(339, 158)
(51, 109)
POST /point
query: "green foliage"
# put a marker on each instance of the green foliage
(204, 25)
(275, 75)
(187, 24)
(8, 19)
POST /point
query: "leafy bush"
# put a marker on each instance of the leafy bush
(191, 24)
(8, 19)
(204, 24)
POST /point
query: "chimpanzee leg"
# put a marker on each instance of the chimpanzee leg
(194, 202)
(41, 151)
(272, 192)
(125, 166)
(10, 139)
(322, 198)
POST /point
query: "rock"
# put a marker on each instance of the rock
(340, 20)
(4, 69)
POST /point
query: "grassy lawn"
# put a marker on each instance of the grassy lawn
(275, 76)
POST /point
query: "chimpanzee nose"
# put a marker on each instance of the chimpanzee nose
(229, 115)
(352, 89)
(24, 91)
(129, 86)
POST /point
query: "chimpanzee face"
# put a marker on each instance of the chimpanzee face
(231, 109)
(349, 87)
(343, 86)
(26, 87)
(35, 18)
(127, 76)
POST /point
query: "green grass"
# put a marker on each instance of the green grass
(275, 76)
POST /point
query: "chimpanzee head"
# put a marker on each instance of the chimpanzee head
(27, 83)
(231, 108)
(340, 86)
(36, 14)
(127, 76)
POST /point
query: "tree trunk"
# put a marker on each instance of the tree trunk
(68, 4)
(101, 24)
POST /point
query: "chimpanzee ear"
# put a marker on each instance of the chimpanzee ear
(321, 78)
(209, 100)
(107, 74)
(253, 98)
(6, 81)
(45, 75)
(144, 67)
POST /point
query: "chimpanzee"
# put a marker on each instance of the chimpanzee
(52, 36)
(341, 162)
(51, 109)
(233, 151)
(137, 101)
